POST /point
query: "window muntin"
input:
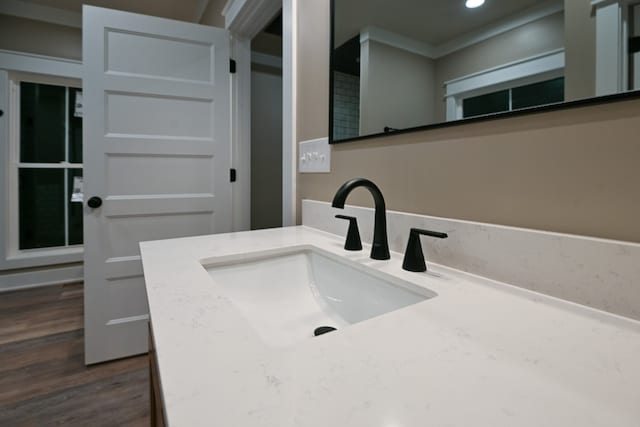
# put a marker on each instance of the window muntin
(48, 143)
(525, 96)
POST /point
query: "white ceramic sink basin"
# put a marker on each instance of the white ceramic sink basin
(286, 296)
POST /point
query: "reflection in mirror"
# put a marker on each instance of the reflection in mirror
(409, 63)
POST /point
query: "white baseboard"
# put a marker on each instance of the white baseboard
(41, 277)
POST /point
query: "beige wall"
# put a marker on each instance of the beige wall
(266, 149)
(269, 44)
(580, 50)
(531, 39)
(213, 14)
(570, 171)
(25, 35)
(396, 88)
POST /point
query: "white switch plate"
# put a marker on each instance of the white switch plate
(314, 156)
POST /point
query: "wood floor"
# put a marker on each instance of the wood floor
(43, 379)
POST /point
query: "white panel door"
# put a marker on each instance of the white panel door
(156, 153)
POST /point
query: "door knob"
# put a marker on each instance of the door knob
(94, 202)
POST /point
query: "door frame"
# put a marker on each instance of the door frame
(244, 19)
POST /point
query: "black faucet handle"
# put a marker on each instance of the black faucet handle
(413, 256)
(353, 242)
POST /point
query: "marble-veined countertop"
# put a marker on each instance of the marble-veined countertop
(481, 353)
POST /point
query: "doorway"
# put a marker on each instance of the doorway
(266, 126)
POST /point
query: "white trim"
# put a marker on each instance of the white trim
(42, 13)
(246, 18)
(520, 19)
(537, 64)
(398, 41)
(611, 17)
(289, 110)
(266, 60)
(4, 171)
(40, 64)
(529, 70)
(241, 134)
(417, 47)
(47, 69)
(46, 277)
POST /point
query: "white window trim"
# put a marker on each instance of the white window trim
(54, 70)
(534, 69)
(612, 20)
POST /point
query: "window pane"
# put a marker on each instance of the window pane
(42, 123)
(541, 93)
(41, 208)
(75, 128)
(486, 104)
(75, 211)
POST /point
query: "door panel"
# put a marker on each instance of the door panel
(136, 54)
(157, 152)
(158, 116)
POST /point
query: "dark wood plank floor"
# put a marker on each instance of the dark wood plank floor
(43, 379)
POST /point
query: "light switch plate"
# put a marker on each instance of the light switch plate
(314, 156)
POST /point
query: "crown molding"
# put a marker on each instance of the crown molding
(510, 23)
(246, 18)
(396, 40)
(435, 52)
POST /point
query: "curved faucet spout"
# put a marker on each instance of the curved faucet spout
(380, 245)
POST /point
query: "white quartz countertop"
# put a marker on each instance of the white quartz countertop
(481, 353)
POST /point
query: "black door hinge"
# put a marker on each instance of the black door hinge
(232, 175)
(232, 66)
(634, 44)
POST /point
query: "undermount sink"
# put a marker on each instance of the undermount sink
(287, 296)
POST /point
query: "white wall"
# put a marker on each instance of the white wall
(397, 88)
(266, 148)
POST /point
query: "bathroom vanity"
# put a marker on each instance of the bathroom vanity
(233, 319)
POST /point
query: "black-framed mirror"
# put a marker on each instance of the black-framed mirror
(406, 65)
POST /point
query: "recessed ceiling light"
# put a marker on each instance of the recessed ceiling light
(474, 3)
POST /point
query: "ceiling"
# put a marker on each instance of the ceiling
(433, 22)
(184, 10)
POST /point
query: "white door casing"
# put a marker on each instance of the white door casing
(156, 151)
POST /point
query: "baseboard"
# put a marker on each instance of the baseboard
(22, 279)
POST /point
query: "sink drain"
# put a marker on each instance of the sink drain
(323, 330)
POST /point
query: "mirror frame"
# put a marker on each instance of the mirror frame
(603, 99)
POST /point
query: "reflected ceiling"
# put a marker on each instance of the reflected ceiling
(431, 21)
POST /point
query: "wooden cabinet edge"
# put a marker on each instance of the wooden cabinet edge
(157, 406)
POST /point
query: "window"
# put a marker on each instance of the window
(531, 95)
(533, 81)
(46, 144)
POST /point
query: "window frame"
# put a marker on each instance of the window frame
(535, 69)
(15, 79)
(41, 67)
(509, 89)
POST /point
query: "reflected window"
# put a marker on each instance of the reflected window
(525, 96)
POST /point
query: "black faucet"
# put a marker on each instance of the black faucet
(380, 246)
(413, 256)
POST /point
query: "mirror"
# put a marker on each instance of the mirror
(412, 64)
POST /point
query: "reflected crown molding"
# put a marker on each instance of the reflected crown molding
(417, 47)
(396, 40)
